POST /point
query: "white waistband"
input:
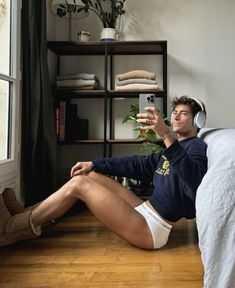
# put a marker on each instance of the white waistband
(156, 216)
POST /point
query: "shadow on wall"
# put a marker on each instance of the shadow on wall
(185, 79)
(185, 72)
(146, 20)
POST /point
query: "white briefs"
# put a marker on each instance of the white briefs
(159, 228)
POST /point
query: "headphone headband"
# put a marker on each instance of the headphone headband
(199, 119)
(200, 103)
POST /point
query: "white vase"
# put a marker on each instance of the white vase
(108, 34)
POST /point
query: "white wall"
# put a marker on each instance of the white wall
(201, 45)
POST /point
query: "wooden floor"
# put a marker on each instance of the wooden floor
(80, 252)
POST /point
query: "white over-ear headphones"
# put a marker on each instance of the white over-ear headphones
(199, 119)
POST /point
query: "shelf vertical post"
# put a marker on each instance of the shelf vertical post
(164, 63)
(105, 98)
(111, 124)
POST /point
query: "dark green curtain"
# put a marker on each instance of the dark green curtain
(38, 148)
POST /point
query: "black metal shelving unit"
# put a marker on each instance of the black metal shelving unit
(109, 50)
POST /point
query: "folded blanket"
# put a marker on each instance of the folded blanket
(89, 87)
(85, 76)
(135, 81)
(76, 83)
(136, 74)
(137, 86)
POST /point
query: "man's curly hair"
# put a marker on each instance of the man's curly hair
(186, 100)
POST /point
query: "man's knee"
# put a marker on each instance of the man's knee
(78, 185)
(73, 186)
(96, 176)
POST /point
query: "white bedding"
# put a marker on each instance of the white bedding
(215, 209)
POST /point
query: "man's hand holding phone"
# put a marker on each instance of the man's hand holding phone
(150, 117)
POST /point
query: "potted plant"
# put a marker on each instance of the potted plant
(107, 11)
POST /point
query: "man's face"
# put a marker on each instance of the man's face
(182, 120)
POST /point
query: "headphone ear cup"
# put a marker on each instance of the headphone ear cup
(199, 120)
(171, 117)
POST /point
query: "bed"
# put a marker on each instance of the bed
(215, 209)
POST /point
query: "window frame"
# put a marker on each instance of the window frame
(11, 166)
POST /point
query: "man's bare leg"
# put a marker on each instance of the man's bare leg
(56, 205)
(116, 188)
(108, 206)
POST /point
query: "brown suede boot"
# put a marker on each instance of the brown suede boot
(17, 227)
(12, 204)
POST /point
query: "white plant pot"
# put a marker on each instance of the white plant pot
(108, 34)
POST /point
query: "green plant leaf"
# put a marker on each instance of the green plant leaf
(128, 118)
(151, 136)
(148, 137)
(140, 138)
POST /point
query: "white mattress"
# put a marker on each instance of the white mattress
(215, 209)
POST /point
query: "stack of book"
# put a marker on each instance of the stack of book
(69, 127)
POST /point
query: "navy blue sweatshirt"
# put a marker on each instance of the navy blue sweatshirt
(176, 173)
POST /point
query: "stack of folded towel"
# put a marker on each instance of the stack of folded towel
(81, 81)
(136, 80)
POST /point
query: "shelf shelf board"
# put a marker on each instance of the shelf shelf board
(124, 141)
(137, 47)
(135, 94)
(81, 142)
(109, 141)
(109, 47)
(68, 93)
(76, 48)
(127, 141)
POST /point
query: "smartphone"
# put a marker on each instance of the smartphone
(148, 100)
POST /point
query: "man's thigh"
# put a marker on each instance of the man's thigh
(116, 188)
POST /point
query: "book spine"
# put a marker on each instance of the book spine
(62, 118)
(57, 121)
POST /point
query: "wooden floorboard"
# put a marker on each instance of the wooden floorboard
(80, 252)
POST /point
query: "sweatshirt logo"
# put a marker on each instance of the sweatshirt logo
(165, 169)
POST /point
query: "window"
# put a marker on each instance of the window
(9, 84)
